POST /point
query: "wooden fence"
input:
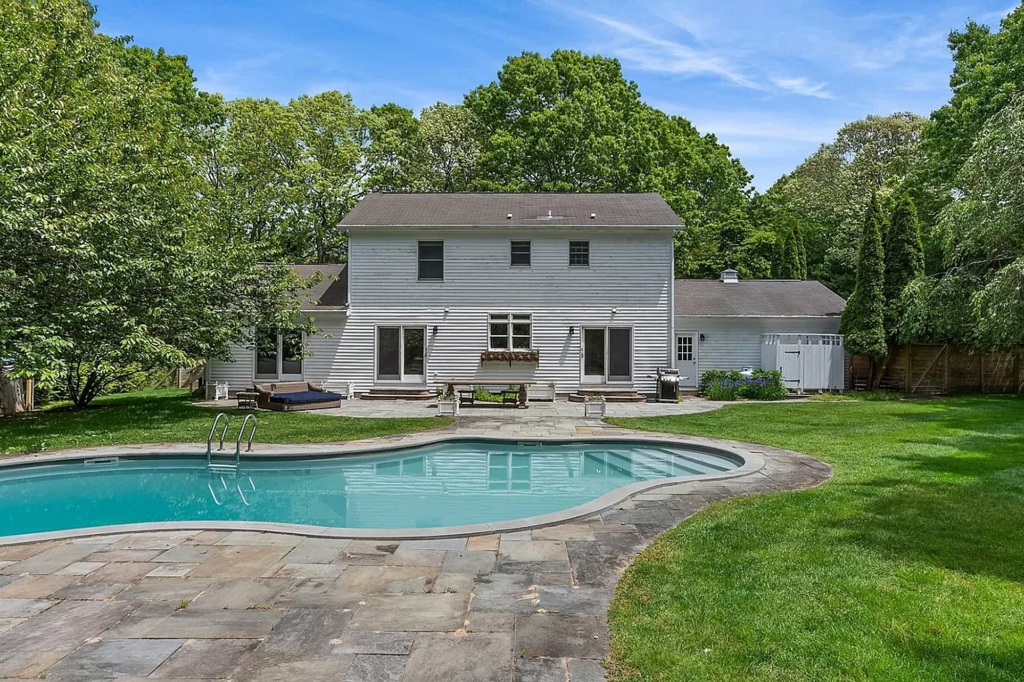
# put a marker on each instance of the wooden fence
(942, 369)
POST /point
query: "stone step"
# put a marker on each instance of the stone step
(616, 397)
(397, 393)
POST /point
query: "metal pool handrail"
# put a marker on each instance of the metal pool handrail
(223, 432)
(241, 432)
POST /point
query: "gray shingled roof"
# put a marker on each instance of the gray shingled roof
(756, 298)
(330, 292)
(492, 210)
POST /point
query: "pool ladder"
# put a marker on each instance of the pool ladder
(230, 467)
(225, 488)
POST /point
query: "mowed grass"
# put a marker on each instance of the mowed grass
(168, 416)
(908, 565)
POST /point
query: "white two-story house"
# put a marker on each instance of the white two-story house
(571, 289)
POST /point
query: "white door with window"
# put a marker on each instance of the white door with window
(279, 355)
(401, 354)
(686, 358)
(607, 355)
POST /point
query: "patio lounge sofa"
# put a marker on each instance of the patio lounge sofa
(292, 396)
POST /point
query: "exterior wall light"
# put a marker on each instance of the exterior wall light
(433, 331)
(572, 330)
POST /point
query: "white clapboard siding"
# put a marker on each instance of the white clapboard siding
(630, 270)
(237, 372)
(323, 359)
(734, 342)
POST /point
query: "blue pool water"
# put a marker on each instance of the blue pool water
(442, 484)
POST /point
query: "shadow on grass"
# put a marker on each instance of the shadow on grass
(957, 501)
(974, 528)
(1003, 662)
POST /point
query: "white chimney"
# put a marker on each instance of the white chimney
(730, 276)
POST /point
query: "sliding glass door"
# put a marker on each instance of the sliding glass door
(279, 355)
(607, 355)
(400, 354)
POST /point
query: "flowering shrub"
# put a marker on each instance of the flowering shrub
(724, 385)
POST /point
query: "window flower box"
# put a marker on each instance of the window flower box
(510, 356)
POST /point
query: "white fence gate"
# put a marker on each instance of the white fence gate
(809, 362)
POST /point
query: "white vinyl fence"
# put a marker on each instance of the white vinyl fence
(809, 362)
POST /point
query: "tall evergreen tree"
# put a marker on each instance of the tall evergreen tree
(863, 321)
(790, 268)
(904, 258)
(801, 249)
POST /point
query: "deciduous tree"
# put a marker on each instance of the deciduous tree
(111, 264)
(833, 187)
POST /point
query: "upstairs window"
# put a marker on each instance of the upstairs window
(520, 254)
(579, 254)
(431, 261)
(510, 331)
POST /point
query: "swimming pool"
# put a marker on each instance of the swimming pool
(453, 483)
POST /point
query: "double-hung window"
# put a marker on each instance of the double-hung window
(579, 254)
(520, 254)
(431, 261)
(510, 331)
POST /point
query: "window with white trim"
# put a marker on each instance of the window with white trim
(579, 254)
(684, 349)
(278, 353)
(520, 254)
(431, 261)
(510, 331)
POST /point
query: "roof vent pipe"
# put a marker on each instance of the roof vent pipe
(730, 276)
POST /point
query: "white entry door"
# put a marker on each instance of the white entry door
(686, 358)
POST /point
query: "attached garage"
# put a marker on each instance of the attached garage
(726, 323)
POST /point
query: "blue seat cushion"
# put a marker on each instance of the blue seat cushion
(304, 397)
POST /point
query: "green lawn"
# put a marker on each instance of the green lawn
(908, 565)
(168, 416)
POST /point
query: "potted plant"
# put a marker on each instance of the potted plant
(594, 406)
(447, 403)
(546, 392)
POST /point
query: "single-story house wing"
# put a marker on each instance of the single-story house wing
(726, 323)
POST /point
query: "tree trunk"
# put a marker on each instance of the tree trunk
(12, 396)
(877, 376)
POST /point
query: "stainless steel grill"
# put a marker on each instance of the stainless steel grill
(668, 384)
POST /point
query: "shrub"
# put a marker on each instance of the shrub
(730, 385)
(764, 385)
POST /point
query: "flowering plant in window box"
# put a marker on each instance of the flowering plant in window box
(510, 356)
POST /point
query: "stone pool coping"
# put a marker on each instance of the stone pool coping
(751, 462)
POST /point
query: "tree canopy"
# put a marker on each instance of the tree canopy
(833, 188)
(110, 265)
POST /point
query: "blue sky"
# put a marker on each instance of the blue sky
(773, 80)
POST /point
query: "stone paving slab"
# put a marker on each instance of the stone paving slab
(117, 658)
(483, 657)
(246, 606)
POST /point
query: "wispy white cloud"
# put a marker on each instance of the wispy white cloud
(803, 86)
(644, 50)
